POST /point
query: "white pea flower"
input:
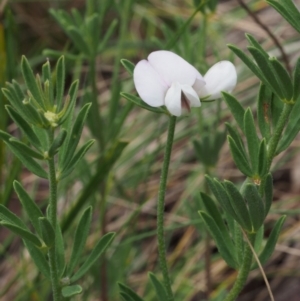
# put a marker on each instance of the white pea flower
(167, 79)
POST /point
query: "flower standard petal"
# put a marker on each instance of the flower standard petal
(172, 68)
(191, 95)
(220, 77)
(149, 85)
(173, 99)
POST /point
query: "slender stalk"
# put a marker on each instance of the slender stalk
(242, 274)
(53, 221)
(161, 208)
(278, 132)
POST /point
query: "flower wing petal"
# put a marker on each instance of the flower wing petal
(149, 85)
(173, 99)
(220, 77)
(173, 68)
(191, 95)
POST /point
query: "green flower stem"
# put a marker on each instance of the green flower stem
(242, 274)
(161, 208)
(278, 132)
(53, 221)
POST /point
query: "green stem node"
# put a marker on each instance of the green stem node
(161, 208)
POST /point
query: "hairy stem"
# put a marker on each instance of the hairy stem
(242, 274)
(161, 208)
(53, 221)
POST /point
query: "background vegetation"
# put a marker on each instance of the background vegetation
(119, 176)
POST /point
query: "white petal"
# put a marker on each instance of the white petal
(173, 99)
(172, 68)
(191, 95)
(220, 77)
(199, 84)
(149, 85)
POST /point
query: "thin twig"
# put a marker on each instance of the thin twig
(260, 266)
(271, 35)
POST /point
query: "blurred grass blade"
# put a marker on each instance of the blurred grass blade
(60, 81)
(268, 193)
(8, 216)
(105, 164)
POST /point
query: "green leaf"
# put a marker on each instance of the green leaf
(247, 61)
(60, 81)
(258, 239)
(129, 66)
(234, 134)
(272, 240)
(159, 288)
(24, 149)
(267, 71)
(292, 129)
(296, 81)
(27, 161)
(239, 205)
(268, 193)
(222, 196)
(70, 101)
(24, 234)
(213, 211)
(252, 139)
(239, 243)
(101, 246)
(256, 45)
(74, 137)
(9, 217)
(31, 81)
(78, 156)
(25, 127)
(236, 109)
(283, 78)
(80, 238)
(129, 292)
(57, 143)
(262, 158)
(288, 11)
(139, 102)
(219, 239)
(255, 205)
(239, 158)
(264, 103)
(38, 258)
(47, 231)
(71, 290)
(31, 208)
(126, 297)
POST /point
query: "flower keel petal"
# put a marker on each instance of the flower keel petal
(191, 95)
(173, 99)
